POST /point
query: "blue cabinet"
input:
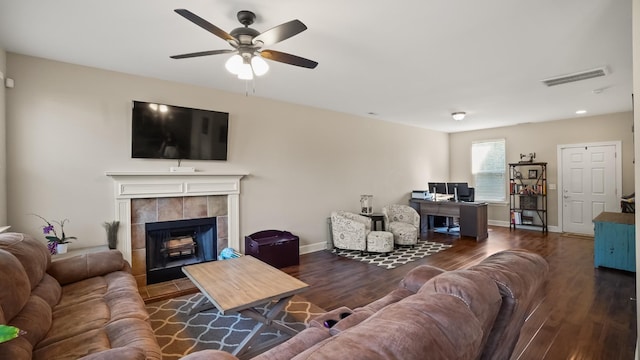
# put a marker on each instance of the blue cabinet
(615, 241)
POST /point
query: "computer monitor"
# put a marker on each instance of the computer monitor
(462, 188)
(440, 187)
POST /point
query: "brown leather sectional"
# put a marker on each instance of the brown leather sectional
(83, 307)
(475, 313)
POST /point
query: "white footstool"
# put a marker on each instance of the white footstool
(380, 241)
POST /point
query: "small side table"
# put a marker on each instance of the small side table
(376, 218)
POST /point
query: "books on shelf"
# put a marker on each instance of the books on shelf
(518, 218)
(528, 189)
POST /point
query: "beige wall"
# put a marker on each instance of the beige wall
(68, 124)
(543, 139)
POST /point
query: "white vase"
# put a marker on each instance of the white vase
(62, 248)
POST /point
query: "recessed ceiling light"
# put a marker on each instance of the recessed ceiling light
(580, 112)
(457, 116)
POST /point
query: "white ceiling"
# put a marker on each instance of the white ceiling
(410, 61)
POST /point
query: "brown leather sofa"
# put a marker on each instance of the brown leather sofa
(475, 313)
(84, 307)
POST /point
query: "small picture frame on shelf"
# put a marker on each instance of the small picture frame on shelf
(533, 174)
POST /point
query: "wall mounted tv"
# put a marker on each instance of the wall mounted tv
(162, 131)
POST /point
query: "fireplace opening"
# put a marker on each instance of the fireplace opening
(173, 244)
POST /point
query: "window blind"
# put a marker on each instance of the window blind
(489, 170)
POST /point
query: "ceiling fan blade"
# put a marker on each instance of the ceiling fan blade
(202, 53)
(206, 25)
(288, 59)
(280, 32)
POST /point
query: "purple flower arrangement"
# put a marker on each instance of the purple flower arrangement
(49, 230)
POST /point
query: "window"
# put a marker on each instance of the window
(489, 170)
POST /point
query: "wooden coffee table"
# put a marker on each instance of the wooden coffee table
(241, 284)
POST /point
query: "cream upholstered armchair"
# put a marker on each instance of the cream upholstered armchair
(350, 230)
(403, 222)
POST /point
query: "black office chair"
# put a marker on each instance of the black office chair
(469, 197)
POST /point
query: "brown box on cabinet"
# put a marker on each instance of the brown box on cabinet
(277, 248)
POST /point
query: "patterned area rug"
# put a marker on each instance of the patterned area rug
(400, 256)
(179, 333)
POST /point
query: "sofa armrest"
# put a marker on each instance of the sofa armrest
(332, 316)
(85, 266)
(340, 319)
(357, 218)
(209, 355)
(418, 276)
(302, 341)
(350, 321)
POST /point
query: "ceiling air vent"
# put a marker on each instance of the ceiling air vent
(579, 76)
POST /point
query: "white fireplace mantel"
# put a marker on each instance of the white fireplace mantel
(136, 184)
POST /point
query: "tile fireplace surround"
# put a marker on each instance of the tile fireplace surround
(161, 196)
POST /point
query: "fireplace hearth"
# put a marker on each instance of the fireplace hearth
(173, 244)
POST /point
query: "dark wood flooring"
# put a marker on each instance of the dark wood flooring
(588, 313)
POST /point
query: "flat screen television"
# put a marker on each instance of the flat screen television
(160, 131)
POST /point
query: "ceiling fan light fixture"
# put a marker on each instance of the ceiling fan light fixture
(234, 64)
(248, 43)
(260, 67)
(457, 116)
(245, 73)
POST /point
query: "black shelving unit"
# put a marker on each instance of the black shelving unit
(528, 195)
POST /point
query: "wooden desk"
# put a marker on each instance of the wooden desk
(241, 284)
(473, 215)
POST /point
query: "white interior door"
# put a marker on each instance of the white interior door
(590, 180)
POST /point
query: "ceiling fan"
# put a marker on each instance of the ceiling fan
(248, 44)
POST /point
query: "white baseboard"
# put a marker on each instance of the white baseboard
(506, 224)
(319, 246)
